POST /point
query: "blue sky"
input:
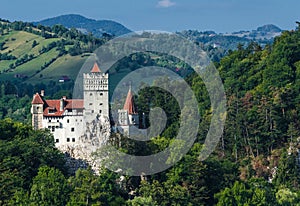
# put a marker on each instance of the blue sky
(168, 15)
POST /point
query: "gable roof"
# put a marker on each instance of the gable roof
(96, 69)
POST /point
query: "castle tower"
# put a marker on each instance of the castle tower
(95, 94)
(37, 110)
(128, 116)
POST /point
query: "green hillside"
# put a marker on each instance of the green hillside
(34, 54)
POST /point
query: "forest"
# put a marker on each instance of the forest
(257, 160)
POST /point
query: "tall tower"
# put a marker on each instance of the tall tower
(37, 109)
(95, 94)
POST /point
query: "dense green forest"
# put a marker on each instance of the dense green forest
(255, 163)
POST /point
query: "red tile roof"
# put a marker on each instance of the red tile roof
(129, 103)
(95, 69)
(37, 99)
(74, 104)
(55, 106)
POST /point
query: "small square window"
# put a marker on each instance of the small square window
(91, 94)
(90, 104)
(57, 140)
(68, 139)
(101, 104)
(92, 111)
(57, 120)
(68, 121)
(101, 94)
(73, 139)
(72, 129)
(49, 120)
(100, 111)
(53, 129)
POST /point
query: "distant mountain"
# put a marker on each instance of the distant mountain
(217, 45)
(269, 28)
(266, 32)
(85, 25)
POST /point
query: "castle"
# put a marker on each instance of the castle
(74, 121)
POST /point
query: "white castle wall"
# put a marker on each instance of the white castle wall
(66, 130)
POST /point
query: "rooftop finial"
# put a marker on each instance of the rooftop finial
(130, 86)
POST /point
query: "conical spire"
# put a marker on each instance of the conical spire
(129, 103)
(95, 68)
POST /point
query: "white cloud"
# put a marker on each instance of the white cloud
(165, 3)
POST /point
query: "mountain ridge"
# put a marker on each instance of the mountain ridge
(87, 25)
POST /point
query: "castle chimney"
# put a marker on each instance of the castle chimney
(62, 101)
(42, 93)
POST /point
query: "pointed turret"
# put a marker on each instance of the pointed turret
(95, 68)
(37, 99)
(37, 105)
(129, 103)
(128, 121)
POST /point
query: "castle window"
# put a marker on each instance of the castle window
(72, 129)
(90, 104)
(101, 104)
(57, 120)
(101, 94)
(73, 139)
(91, 94)
(68, 121)
(49, 120)
(53, 129)
(100, 111)
(92, 111)
(57, 140)
(68, 139)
